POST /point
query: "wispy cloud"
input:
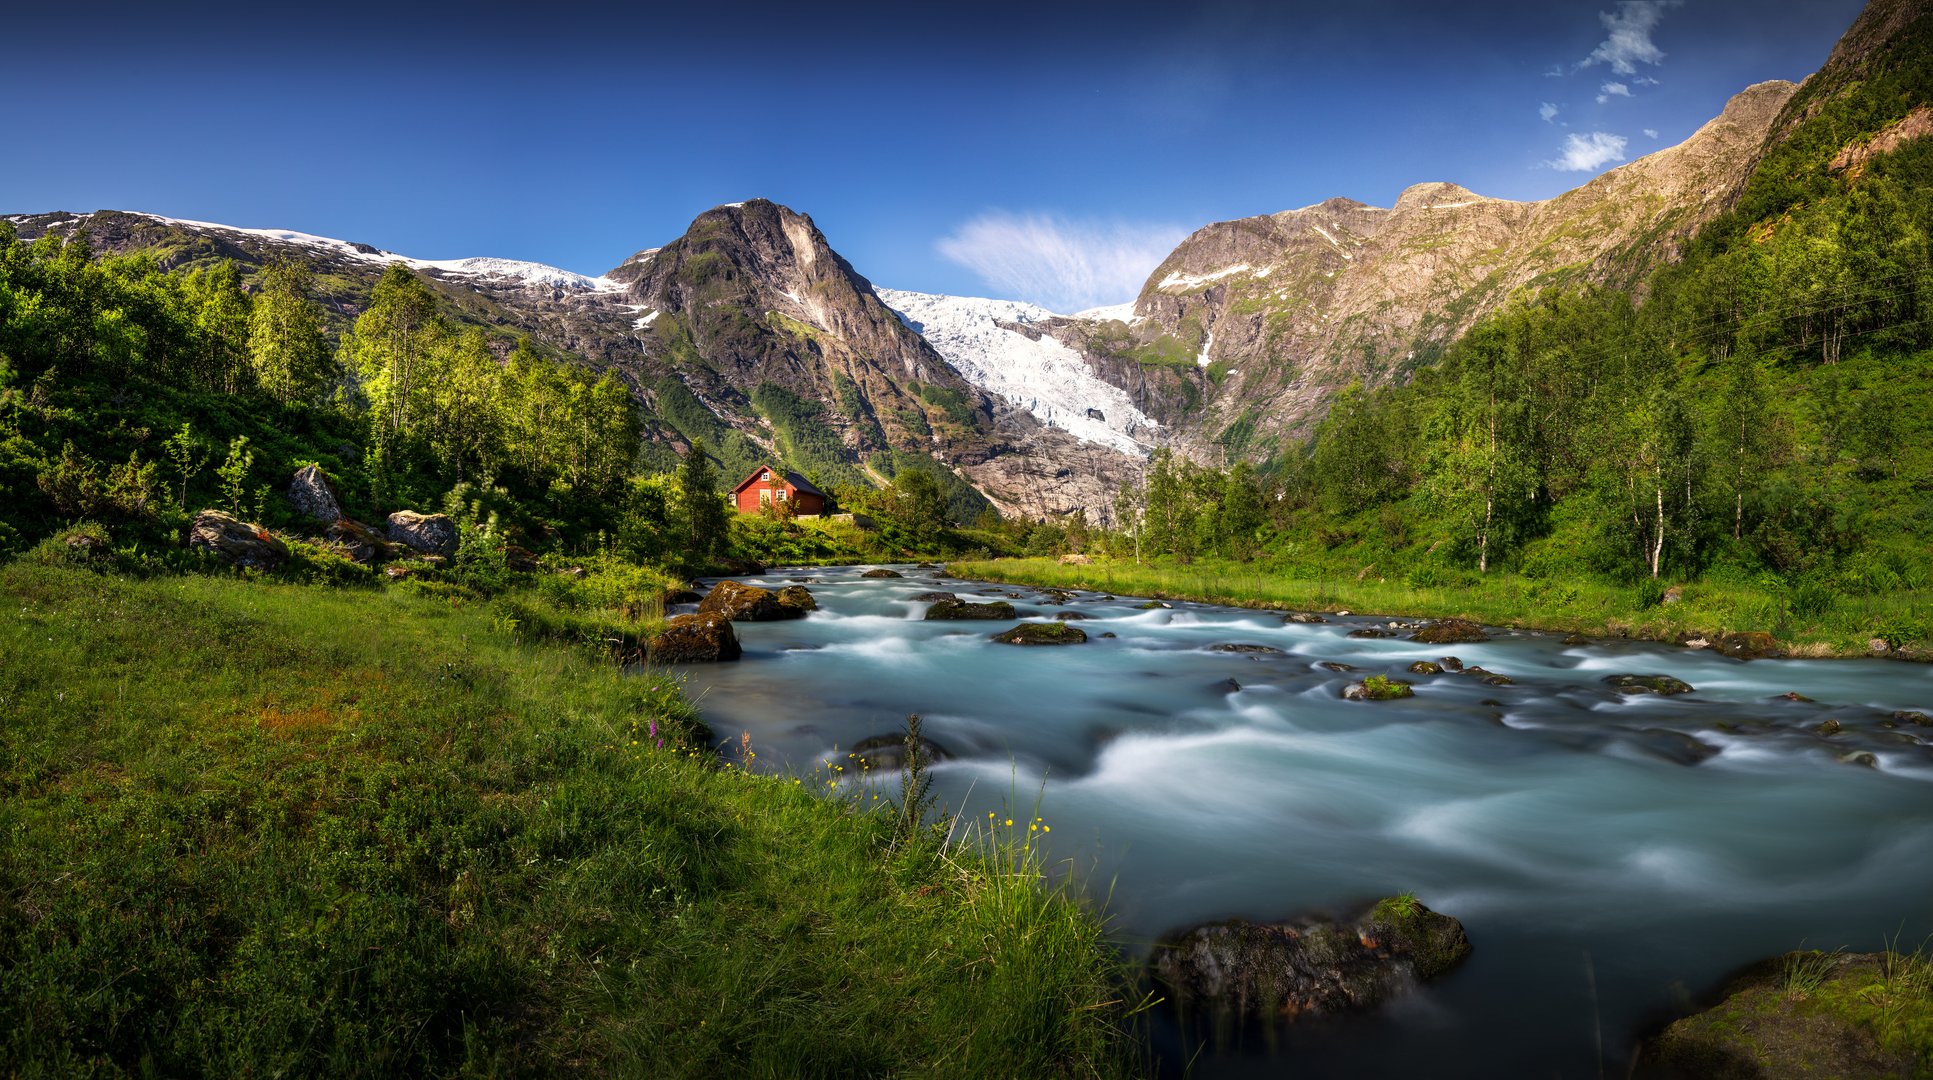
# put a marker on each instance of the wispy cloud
(1059, 263)
(1650, 133)
(1588, 153)
(1610, 90)
(1628, 42)
(1547, 111)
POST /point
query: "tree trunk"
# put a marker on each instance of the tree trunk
(1658, 540)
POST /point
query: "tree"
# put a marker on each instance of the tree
(390, 350)
(222, 327)
(706, 521)
(285, 343)
(916, 507)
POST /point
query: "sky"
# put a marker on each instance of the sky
(1050, 152)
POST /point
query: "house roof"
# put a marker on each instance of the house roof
(791, 478)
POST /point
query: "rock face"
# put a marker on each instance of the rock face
(236, 542)
(1053, 633)
(1450, 632)
(1309, 966)
(749, 603)
(954, 608)
(426, 534)
(313, 495)
(694, 639)
(362, 543)
(1763, 1030)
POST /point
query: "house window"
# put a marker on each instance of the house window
(765, 498)
(781, 495)
(766, 475)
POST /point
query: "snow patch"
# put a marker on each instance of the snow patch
(646, 320)
(1201, 358)
(1333, 242)
(1112, 312)
(1179, 280)
(1044, 377)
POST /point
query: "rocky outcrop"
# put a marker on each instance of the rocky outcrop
(425, 534)
(694, 639)
(749, 603)
(1309, 966)
(1053, 633)
(1804, 1014)
(236, 542)
(313, 495)
(955, 608)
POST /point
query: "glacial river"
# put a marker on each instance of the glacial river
(1611, 857)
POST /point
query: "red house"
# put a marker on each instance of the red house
(768, 486)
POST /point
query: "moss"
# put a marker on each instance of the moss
(1052, 633)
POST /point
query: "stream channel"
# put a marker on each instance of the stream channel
(1612, 858)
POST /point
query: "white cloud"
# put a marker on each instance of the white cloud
(1610, 90)
(1587, 153)
(1060, 264)
(1629, 41)
(1547, 111)
(1650, 133)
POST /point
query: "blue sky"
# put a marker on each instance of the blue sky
(1048, 152)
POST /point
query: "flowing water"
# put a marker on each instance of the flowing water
(1611, 857)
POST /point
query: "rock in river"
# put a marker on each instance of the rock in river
(882, 573)
(1450, 632)
(1033, 633)
(747, 603)
(797, 598)
(1309, 966)
(1246, 649)
(955, 608)
(692, 639)
(1663, 685)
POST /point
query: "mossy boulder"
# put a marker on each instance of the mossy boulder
(797, 598)
(1803, 1014)
(882, 573)
(1377, 688)
(1747, 645)
(1052, 633)
(932, 597)
(1450, 632)
(955, 608)
(746, 603)
(1426, 667)
(1072, 616)
(1153, 605)
(1309, 966)
(1663, 685)
(1372, 632)
(705, 637)
(361, 543)
(236, 542)
(1303, 617)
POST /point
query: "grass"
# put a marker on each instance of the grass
(1591, 607)
(254, 828)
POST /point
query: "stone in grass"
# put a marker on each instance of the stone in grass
(237, 542)
(1377, 688)
(430, 534)
(1450, 632)
(1802, 1014)
(313, 495)
(955, 608)
(1663, 685)
(1309, 966)
(1426, 667)
(1050, 633)
(882, 573)
(694, 639)
(1245, 649)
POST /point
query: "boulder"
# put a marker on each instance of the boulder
(1372, 632)
(429, 534)
(519, 559)
(798, 598)
(1107, 633)
(1793, 695)
(1226, 686)
(681, 596)
(1764, 1028)
(1377, 688)
(313, 495)
(1425, 667)
(1673, 746)
(1489, 678)
(1303, 617)
(694, 639)
(1747, 645)
(1917, 719)
(1246, 649)
(1153, 605)
(1072, 616)
(362, 543)
(1309, 966)
(1829, 727)
(1076, 560)
(1450, 663)
(1335, 665)
(1574, 640)
(933, 597)
(955, 608)
(1052, 633)
(236, 542)
(1450, 632)
(746, 603)
(888, 752)
(882, 573)
(1056, 596)
(1663, 685)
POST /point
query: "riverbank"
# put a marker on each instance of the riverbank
(1847, 627)
(255, 827)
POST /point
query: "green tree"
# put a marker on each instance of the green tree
(707, 524)
(391, 350)
(222, 325)
(916, 507)
(285, 343)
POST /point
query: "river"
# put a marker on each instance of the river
(1611, 857)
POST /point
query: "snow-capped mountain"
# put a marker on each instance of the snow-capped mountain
(987, 342)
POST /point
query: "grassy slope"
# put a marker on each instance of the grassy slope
(249, 828)
(1582, 606)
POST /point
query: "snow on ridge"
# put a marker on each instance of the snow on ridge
(513, 269)
(1178, 280)
(1114, 312)
(1044, 377)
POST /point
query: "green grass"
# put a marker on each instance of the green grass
(1586, 606)
(254, 828)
